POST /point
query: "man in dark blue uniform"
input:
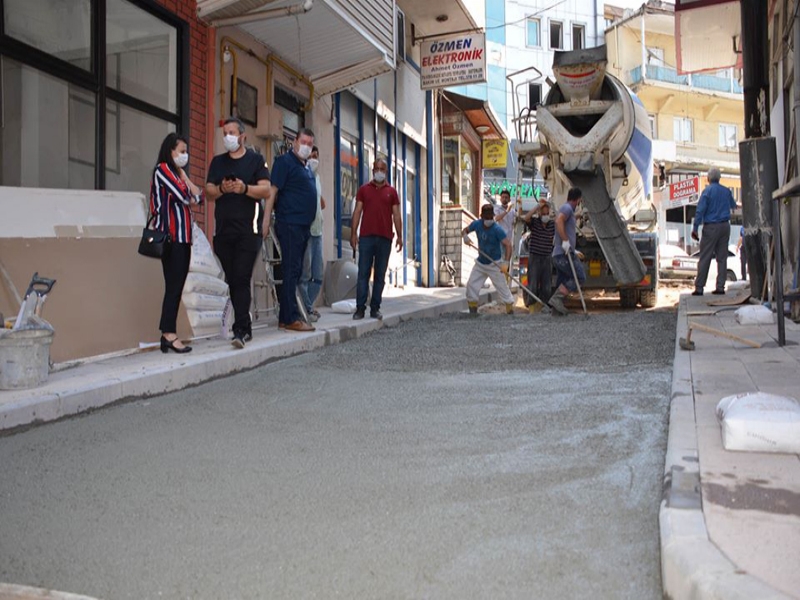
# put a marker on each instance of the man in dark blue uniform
(294, 196)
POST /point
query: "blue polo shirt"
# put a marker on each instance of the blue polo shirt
(296, 203)
(715, 206)
(490, 240)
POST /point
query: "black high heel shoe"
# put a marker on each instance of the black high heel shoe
(166, 346)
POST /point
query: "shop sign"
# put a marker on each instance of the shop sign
(683, 193)
(495, 154)
(526, 190)
(454, 60)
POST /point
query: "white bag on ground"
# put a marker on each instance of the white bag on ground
(203, 259)
(760, 422)
(754, 315)
(202, 283)
(344, 306)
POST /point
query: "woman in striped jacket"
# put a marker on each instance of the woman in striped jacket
(171, 194)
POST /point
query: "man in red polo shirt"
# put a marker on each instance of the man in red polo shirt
(377, 205)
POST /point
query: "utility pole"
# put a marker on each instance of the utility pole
(757, 152)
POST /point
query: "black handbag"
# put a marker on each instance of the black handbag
(154, 243)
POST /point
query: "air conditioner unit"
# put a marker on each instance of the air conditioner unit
(270, 122)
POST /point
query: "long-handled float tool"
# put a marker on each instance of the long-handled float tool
(578, 284)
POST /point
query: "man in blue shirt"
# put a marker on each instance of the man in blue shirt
(491, 263)
(294, 195)
(714, 213)
(564, 247)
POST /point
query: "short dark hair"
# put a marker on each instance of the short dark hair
(314, 149)
(306, 131)
(487, 210)
(506, 192)
(167, 146)
(574, 194)
(236, 120)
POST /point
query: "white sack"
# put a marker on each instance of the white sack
(754, 315)
(203, 301)
(204, 322)
(202, 283)
(203, 258)
(760, 422)
(344, 306)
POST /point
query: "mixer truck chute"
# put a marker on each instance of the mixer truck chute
(592, 132)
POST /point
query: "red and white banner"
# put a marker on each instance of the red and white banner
(683, 193)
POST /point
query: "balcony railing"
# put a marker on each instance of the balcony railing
(700, 81)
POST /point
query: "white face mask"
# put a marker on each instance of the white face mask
(488, 222)
(304, 151)
(545, 218)
(182, 159)
(231, 143)
(379, 176)
(313, 164)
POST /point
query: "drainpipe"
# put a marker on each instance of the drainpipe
(644, 50)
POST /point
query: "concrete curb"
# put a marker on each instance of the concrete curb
(103, 384)
(22, 592)
(692, 566)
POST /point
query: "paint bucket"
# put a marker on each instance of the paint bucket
(24, 358)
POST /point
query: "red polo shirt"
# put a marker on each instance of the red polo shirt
(376, 216)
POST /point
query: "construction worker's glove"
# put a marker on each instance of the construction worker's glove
(466, 239)
(565, 245)
(503, 267)
(579, 254)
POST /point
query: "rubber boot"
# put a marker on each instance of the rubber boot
(557, 303)
(534, 308)
(473, 309)
(510, 308)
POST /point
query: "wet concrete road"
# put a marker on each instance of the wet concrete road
(502, 457)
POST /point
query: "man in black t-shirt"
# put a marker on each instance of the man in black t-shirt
(238, 182)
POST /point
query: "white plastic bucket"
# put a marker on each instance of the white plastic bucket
(24, 358)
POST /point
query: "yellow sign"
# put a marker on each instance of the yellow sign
(495, 154)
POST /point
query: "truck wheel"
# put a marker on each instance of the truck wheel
(649, 298)
(730, 275)
(628, 298)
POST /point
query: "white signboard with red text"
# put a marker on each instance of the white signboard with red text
(683, 193)
(454, 60)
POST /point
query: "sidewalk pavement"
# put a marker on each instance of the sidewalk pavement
(730, 521)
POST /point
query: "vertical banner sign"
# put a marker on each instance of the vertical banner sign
(495, 154)
(453, 60)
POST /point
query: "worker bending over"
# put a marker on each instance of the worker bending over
(491, 263)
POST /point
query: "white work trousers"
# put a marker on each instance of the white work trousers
(478, 277)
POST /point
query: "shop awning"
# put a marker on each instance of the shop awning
(480, 115)
(335, 43)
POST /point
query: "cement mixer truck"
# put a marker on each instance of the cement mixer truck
(592, 132)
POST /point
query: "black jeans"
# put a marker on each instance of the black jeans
(293, 240)
(175, 264)
(540, 276)
(238, 254)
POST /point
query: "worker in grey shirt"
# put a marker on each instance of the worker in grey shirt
(714, 213)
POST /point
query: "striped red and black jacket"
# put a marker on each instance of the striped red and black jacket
(169, 204)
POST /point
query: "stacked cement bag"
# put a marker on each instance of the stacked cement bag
(205, 292)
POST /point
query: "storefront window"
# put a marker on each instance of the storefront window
(48, 138)
(141, 55)
(451, 181)
(56, 27)
(348, 158)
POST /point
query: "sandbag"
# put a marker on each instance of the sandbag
(203, 301)
(204, 322)
(754, 315)
(344, 306)
(760, 422)
(203, 258)
(203, 283)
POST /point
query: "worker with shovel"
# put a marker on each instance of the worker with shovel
(491, 263)
(569, 268)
